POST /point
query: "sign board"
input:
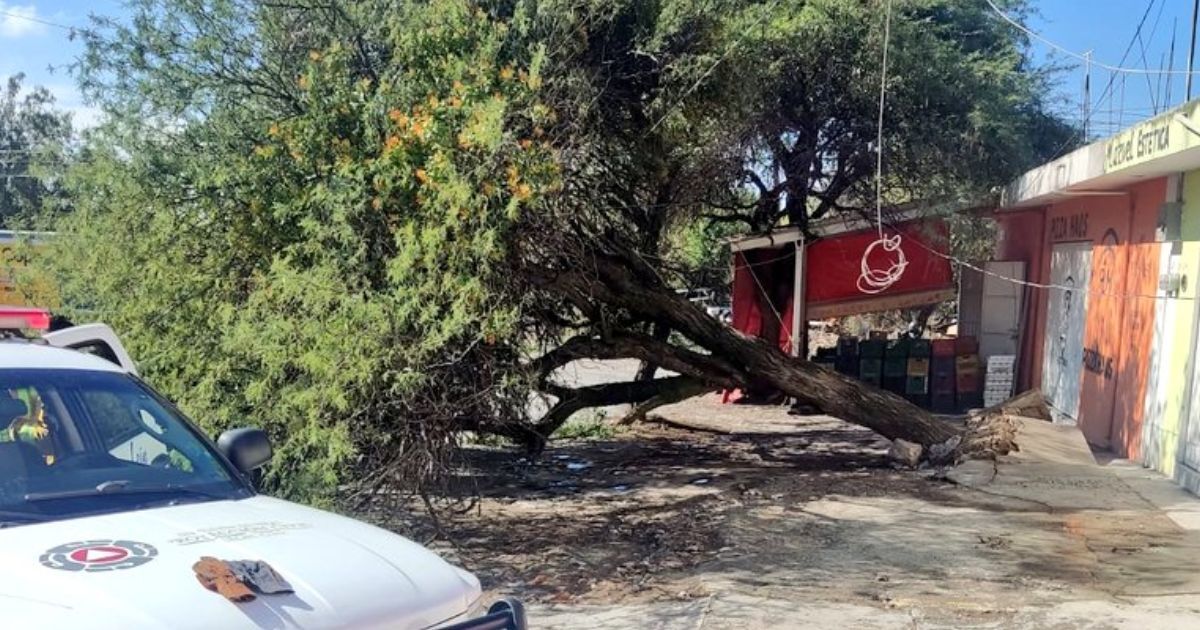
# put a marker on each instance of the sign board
(834, 264)
(1158, 137)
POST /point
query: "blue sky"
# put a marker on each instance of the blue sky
(1106, 27)
(32, 47)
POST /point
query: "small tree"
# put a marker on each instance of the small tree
(33, 141)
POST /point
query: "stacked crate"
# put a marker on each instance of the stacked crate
(966, 373)
(941, 382)
(847, 356)
(870, 361)
(998, 383)
(895, 366)
(916, 386)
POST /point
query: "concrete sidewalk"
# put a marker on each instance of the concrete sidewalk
(1046, 538)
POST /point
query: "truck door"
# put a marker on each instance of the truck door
(97, 339)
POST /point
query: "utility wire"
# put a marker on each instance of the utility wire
(38, 20)
(870, 279)
(1112, 76)
(1082, 57)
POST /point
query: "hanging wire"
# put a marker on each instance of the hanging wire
(870, 279)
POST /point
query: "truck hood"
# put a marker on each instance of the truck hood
(136, 571)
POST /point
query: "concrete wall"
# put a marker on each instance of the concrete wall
(1168, 405)
(1116, 337)
(1021, 239)
(1121, 309)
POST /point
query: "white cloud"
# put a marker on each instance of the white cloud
(67, 98)
(85, 117)
(19, 21)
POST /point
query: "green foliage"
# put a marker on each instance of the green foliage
(700, 248)
(313, 242)
(587, 425)
(343, 221)
(34, 139)
(965, 109)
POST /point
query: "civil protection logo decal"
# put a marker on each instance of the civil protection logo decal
(98, 555)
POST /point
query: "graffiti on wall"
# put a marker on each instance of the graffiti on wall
(1064, 323)
(1105, 269)
(1069, 228)
(1095, 362)
(1062, 355)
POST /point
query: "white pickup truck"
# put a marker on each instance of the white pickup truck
(109, 499)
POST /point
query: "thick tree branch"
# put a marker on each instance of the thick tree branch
(607, 394)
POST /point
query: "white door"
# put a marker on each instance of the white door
(1062, 357)
(97, 339)
(1003, 299)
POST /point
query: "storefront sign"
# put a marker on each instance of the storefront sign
(1139, 144)
(834, 264)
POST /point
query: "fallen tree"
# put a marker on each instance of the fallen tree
(733, 360)
(369, 227)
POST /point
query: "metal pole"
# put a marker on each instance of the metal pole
(799, 346)
(1192, 48)
(1087, 92)
(1171, 63)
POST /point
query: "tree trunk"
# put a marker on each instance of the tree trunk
(1029, 404)
(734, 357)
(648, 369)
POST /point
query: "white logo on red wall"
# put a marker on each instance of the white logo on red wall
(98, 555)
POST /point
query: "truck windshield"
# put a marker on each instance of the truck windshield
(79, 442)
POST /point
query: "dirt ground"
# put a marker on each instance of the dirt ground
(769, 519)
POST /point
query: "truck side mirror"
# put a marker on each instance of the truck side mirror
(247, 448)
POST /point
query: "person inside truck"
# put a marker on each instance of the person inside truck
(24, 416)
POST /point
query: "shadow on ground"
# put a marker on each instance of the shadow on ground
(810, 510)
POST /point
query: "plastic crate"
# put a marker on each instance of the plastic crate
(966, 345)
(895, 366)
(918, 366)
(943, 347)
(871, 349)
(847, 365)
(942, 383)
(870, 369)
(898, 347)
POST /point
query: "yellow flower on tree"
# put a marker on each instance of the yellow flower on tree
(506, 73)
(399, 117)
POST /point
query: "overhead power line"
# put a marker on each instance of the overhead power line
(38, 20)
(1080, 56)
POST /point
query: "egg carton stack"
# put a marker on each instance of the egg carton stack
(998, 383)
